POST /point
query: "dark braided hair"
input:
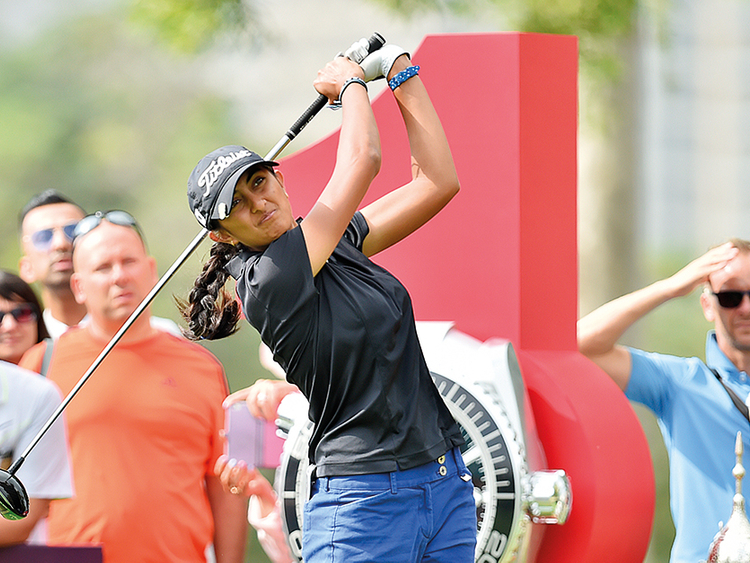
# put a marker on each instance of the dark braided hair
(210, 311)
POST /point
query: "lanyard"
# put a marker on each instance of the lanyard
(741, 406)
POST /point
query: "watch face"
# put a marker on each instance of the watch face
(494, 457)
(496, 463)
(292, 482)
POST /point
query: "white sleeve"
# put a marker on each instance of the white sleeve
(45, 472)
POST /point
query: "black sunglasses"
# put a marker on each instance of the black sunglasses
(42, 239)
(730, 299)
(22, 314)
(116, 217)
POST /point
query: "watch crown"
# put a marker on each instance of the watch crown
(547, 497)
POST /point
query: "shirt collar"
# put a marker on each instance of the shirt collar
(236, 263)
(715, 358)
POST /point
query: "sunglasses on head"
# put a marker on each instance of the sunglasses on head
(116, 217)
(22, 314)
(730, 299)
(42, 239)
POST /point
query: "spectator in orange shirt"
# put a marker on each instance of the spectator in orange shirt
(145, 429)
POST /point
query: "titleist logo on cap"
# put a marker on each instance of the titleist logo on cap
(217, 167)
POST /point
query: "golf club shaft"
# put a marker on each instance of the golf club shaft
(376, 41)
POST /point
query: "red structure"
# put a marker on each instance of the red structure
(501, 261)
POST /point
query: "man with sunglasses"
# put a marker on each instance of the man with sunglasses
(696, 413)
(144, 431)
(46, 226)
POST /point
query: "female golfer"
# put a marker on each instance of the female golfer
(389, 481)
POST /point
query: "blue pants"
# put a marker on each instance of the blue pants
(424, 514)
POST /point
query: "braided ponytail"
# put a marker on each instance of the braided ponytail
(210, 311)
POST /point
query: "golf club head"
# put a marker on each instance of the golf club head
(14, 501)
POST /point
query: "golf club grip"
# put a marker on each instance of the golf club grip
(375, 42)
(319, 103)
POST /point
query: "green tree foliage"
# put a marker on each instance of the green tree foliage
(192, 25)
(95, 111)
(600, 25)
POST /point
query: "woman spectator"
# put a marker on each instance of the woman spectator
(21, 323)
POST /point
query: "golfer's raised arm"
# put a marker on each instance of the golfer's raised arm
(434, 179)
(357, 160)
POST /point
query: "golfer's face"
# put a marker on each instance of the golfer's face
(261, 211)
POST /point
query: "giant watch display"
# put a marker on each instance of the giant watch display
(482, 386)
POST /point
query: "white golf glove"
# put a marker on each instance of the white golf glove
(378, 64)
(358, 51)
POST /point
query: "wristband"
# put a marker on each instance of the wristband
(403, 76)
(353, 80)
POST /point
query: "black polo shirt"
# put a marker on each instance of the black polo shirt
(347, 338)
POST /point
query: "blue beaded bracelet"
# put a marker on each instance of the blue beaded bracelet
(403, 76)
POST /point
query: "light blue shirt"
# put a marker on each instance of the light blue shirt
(699, 423)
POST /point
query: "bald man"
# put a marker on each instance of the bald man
(145, 429)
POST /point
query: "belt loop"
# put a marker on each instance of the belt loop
(327, 484)
(311, 478)
(394, 488)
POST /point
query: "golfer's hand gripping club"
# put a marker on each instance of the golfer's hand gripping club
(378, 64)
(360, 49)
(357, 53)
